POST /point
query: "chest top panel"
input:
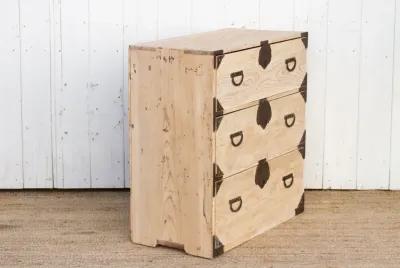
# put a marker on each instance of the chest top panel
(221, 41)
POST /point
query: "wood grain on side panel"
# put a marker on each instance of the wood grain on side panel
(147, 141)
(129, 37)
(195, 149)
(172, 149)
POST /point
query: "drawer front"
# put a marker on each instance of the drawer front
(253, 201)
(266, 130)
(256, 73)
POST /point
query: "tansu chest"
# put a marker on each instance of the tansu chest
(217, 137)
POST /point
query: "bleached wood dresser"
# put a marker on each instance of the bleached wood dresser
(217, 137)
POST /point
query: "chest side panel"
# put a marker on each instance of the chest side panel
(172, 149)
(146, 141)
(194, 151)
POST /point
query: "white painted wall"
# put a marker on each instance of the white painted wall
(63, 84)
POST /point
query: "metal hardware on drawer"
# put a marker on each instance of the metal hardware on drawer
(302, 145)
(286, 178)
(262, 173)
(290, 119)
(264, 113)
(264, 55)
(236, 74)
(218, 174)
(233, 201)
(288, 61)
(234, 135)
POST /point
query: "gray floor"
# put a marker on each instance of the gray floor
(90, 229)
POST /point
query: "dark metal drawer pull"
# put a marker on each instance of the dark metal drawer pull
(234, 75)
(233, 201)
(290, 61)
(288, 180)
(290, 119)
(234, 135)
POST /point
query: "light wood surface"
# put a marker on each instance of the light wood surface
(174, 100)
(258, 142)
(228, 40)
(146, 230)
(172, 149)
(258, 82)
(260, 208)
(91, 229)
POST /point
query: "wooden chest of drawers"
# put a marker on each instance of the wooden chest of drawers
(217, 137)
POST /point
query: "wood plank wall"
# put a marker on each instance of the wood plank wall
(63, 84)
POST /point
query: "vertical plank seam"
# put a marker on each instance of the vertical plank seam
(135, 12)
(396, 20)
(136, 17)
(293, 14)
(123, 94)
(325, 96)
(158, 19)
(259, 15)
(191, 16)
(61, 79)
(359, 90)
(51, 64)
(20, 94)
(325, 180)
(88, 92)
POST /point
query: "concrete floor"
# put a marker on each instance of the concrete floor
(90, 229)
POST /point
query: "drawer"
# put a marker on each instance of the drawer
(260, 72)
(265, 130)
(255, 200)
